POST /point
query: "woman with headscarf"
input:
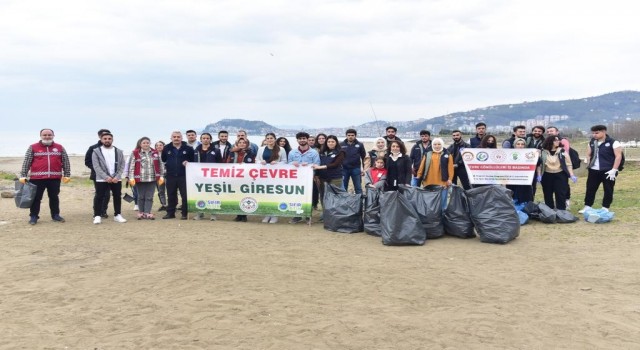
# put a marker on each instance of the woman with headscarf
(379, 151)
(436, 168)
(521, 193)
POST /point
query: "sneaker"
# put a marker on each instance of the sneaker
(136, 208)
(198, 216)
(119, 218)
(295, 220)
(266, 219)
(57, 218)
(141, 216)
(184, 217)
(149, 216)
(568, 204)
(238, 218)
(605, 209)
(97, 220)
(169, 216)
(162, 208)
(105, 215)
(213, 218)
(273, 220)
(33, 220)
(586, 207)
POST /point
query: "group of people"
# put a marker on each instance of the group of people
(386, 167)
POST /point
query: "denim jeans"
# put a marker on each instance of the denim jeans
(355, 175)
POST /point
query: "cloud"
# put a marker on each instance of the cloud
(312, 62)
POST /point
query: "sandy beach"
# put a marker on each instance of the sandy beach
(171, 284)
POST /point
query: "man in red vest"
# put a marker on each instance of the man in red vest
(46, 163)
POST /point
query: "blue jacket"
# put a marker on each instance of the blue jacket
(311, 156)
(354, 154)
(173, 158)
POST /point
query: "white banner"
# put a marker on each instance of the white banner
(500, 166)
(249, 189)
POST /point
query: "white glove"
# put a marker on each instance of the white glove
(611, 174)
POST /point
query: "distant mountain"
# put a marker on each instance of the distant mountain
(575, 114)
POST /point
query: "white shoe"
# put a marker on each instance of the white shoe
(97, 220)
(568, 204)
(273, 220)
(198, 216)
(213, 218)
(136, 208)
(119, 218)
(266, 219)
(586, 207)
(605, 209)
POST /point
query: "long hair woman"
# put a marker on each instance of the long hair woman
(553, 172)
(320, 140)
(145, 171)
(330, 168)
(270, 153)
(488, 141)
(283, 143)
(398, 166)
(242, 154)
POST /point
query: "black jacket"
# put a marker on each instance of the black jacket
(173, 158)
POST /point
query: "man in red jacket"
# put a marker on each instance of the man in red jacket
(46, 163)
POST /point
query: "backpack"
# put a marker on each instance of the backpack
(575, 158)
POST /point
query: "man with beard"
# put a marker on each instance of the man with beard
(222, 145)
(108, 162)
(47, 163)
(535, 139)
(88, 162)
(176, 156)
(417, 151)
(459, 171)
(391, 135)
(192, 139)
(519, 132)
(481, 130)
(303, 156)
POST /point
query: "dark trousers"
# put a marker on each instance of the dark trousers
(175, 184)
(594, 179)
(53, 190)
(315, 194)
(521, 193)
(102, 191)
(555, 185)
(102, 208)
(460, 172)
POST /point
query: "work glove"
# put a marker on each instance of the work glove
(132, 182)
(161, 181)
(574, 179)
(611, 174)
(539, 178)
(23, 180)
(66, 180)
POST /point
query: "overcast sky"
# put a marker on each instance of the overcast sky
(155, 66)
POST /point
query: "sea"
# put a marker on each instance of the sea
(15, 144)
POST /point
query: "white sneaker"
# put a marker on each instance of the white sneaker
(213, 218)
(586, 207)
(97, 220)
(136, 208)
(568, 204)
(266, 219)
(119, 218)
(605, 209)
(273, 220)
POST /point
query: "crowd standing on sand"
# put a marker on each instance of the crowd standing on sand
(389, 165)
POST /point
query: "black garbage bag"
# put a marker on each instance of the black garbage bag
(565, 217)
(428, 204)
(399, 221)
(342, 211)
(457, 220)
(532, 210)
(493, 214)
(372, 213)
(547, 215)
(25, 194)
